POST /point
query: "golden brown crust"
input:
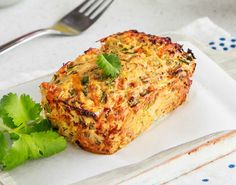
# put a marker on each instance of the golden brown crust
(103, 115)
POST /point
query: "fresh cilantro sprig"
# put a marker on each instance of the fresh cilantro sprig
(24, 134)
(110, 64)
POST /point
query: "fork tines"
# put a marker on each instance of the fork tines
(94, 8)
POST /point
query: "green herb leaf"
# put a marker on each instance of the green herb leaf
(43, 125)
(24, 134)
(5, 119)
(3, 146)
(33, 146)
(16, 155)
(48, 143)
(110, 64)
(103, 98)
(14, 136)
(20, 110)
(85, 80)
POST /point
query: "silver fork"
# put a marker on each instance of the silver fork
(71, 24)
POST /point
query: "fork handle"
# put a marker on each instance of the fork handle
(25, 38)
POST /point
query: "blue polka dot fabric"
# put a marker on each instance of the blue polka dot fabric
(206, 180)
(223, 44)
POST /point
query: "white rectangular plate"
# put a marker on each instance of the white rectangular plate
(210, 107)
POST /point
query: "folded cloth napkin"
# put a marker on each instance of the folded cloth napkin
(217, 43)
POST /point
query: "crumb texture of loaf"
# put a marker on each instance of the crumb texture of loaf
(102, 114)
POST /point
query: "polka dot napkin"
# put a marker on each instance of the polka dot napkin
(207, 33)
(213, 40)
(223, 44)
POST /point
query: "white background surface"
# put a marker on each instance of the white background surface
(45, 55)
(209, 108)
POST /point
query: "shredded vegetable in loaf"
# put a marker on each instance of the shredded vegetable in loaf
(109, 95)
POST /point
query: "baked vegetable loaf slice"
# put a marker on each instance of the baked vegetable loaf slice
(103, 114)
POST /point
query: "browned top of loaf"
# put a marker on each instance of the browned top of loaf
(148, 62)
